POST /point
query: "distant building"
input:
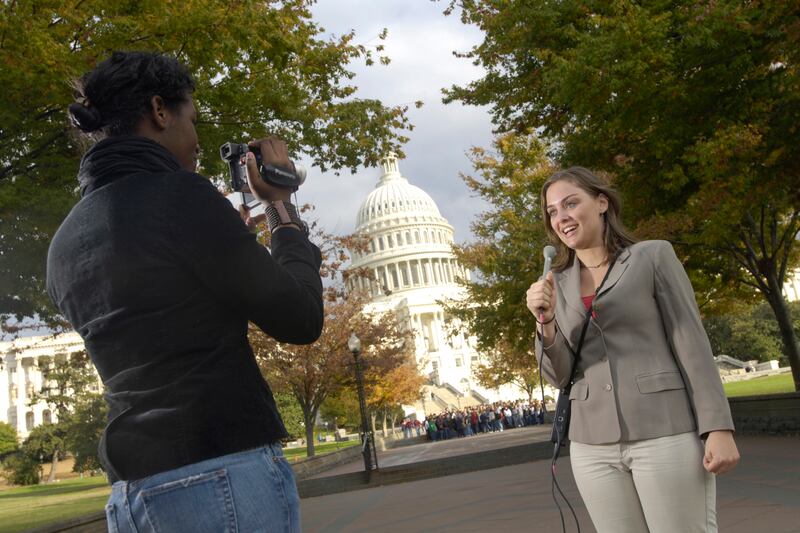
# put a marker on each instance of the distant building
(727, 364)
(413, 268)
(21, 361)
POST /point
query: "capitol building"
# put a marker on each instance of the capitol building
(411, 268)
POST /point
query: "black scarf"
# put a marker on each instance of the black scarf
(116, 157)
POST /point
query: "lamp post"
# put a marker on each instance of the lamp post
(354, 344)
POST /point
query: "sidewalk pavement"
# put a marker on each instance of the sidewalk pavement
(761, 495)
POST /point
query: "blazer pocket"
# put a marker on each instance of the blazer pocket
(579, 391)
(659, 381)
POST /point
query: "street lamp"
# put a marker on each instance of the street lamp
(354, 344)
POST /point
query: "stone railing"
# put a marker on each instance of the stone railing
(769, 413)
(312, 466)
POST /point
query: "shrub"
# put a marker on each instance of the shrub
(21, 469)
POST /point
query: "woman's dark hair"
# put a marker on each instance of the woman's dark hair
(111, 98)
(615, 235)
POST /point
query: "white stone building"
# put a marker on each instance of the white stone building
(20, 375)
(413, 268)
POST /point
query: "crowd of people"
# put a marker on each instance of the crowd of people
(471, 421)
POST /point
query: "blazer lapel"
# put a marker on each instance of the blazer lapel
(620, 265)
(569, 286)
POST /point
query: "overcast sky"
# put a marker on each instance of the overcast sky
(420, 45)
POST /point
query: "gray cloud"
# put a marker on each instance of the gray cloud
(420, 45)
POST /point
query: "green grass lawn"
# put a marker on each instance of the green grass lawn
(293, 454)
(756, 386)
(38, 505)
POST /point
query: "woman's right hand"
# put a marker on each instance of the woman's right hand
(541, 297)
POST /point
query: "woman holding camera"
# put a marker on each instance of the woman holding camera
(650, 422)
(160, 276)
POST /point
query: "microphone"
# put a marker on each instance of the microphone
(549, 253)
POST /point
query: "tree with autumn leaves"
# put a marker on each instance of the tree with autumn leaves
(261, 67)
(386, 393)
(314, 373)
(387, 389)
(691, 108)
(506, 256)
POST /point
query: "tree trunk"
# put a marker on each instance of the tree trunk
(529, 389)
(308, 418)
(784, 319)
(392, 420)
(372, 417)
(385, 428)
(52, 477)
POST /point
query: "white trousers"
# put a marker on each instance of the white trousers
(648, 486)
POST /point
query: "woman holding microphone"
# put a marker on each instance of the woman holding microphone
(650, 422)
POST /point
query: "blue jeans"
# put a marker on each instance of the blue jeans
(247, 491)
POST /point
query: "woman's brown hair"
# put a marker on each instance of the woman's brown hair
(615, 236)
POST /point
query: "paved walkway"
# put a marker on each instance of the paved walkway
(448, 448)
(761, 495)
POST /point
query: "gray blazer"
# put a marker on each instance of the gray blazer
(646, 369)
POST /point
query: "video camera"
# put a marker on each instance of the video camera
(232, 153)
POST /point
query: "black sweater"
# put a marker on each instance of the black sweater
(159, 275)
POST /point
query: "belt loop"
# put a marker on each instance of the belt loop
(276, 449)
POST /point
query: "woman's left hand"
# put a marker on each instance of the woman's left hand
(250, 221)
(721, 454)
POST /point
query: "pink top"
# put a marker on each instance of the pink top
(587, 303)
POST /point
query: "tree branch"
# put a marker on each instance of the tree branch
(758, 232)
(773, 233)
(786, 244)
(752, 262)
(32, 154)
(791, 231)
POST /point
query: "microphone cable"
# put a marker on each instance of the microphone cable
(554, 486)
(556, 450)
(561, 436)
(549, 253)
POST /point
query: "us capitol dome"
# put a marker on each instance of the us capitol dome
(411, 266)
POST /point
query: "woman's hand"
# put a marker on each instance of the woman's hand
(540, 299)
(273, 152)
(721, 454)
(250, 221)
